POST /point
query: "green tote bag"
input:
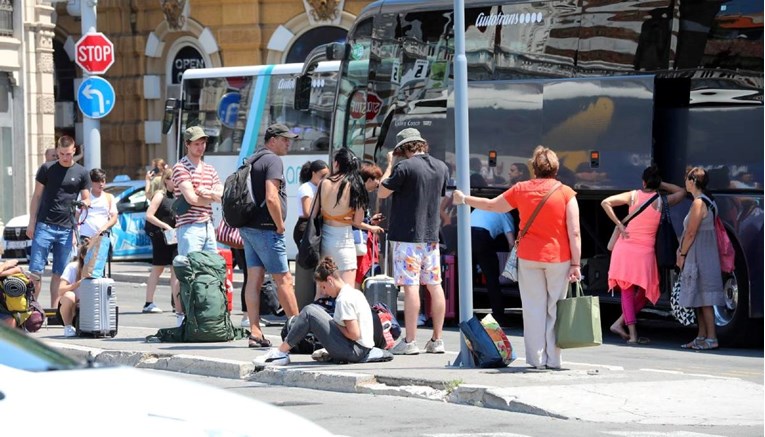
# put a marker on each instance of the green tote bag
(578, 321)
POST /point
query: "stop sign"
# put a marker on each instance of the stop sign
(94, 53)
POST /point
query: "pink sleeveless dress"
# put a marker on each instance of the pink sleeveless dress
(633, 260)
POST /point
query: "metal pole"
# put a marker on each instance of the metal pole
(91, 128)
(462, 157)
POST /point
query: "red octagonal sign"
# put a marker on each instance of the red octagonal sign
(94, 53)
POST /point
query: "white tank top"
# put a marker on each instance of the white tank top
(98, 215)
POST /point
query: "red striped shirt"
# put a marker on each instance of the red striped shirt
(201, 176)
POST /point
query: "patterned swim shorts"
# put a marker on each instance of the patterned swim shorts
(416, 263)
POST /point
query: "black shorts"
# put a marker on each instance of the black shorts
(162, 254)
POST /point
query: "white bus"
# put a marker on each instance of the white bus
(235, 105)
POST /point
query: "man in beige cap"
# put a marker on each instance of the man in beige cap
(265, 246)
(417, 182)
(199, 185)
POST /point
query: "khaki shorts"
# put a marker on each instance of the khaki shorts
(416, 263)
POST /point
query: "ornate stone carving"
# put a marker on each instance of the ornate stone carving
(173, 10)
(46, 104)
(324, 10)
(45, 62)
(44, 38)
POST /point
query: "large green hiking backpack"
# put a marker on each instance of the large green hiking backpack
(202, 276)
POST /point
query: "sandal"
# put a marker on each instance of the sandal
(640, 340)
(706, 344)
(256, 342)
(694, 343)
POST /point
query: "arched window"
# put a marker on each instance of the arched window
(312, 39)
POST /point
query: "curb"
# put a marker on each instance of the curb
(327, 380)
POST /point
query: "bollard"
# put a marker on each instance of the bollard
(229, 257)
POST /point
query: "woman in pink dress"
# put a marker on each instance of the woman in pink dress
(633, 267)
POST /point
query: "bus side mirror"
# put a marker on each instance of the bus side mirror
(336, 51)
(302, 92)
(171, 108)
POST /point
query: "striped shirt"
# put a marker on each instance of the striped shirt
(202, 176)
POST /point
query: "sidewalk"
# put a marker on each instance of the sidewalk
(584, 391)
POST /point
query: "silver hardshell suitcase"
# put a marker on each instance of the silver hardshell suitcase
(98, 314)
(382, 288)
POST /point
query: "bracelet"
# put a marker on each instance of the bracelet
(683, 254)
(575, 265)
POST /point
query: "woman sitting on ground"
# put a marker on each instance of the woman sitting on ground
(348, 336)
(69, 290)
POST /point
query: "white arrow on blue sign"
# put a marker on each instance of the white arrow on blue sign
(95, 97)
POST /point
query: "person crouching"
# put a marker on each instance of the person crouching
(348, 336)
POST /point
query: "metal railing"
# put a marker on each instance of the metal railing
(6, 17)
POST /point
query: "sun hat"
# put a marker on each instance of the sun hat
(194, 133)
(407, 136)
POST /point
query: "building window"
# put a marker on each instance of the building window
(314, 38)
(6, 17)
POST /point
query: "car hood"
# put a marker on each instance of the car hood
(19, 221)
(122, 401)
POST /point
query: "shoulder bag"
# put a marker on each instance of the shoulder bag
(626, 220)
(666, 239)
(511, 266)
(228, 235)
(724, 245)
(578, 320)
(309, 251)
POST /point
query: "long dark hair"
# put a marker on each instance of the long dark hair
(309, 168)
(348, 174)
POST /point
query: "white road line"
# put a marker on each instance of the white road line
(701, 375)
(660, 434)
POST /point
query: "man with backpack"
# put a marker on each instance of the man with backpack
(264, 232)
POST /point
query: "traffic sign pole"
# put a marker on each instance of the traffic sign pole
(91, 127)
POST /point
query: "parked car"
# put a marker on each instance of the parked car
(124, 401)
(129, 241)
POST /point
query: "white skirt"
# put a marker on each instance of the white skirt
(337, 242)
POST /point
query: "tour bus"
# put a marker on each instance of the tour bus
(611, 86)
(235, 105)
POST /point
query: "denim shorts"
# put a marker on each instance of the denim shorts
(265, 248)
(51, 237)
(196, 237)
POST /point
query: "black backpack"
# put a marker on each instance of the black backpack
(239, 204)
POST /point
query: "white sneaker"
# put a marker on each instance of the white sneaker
(179, 319)
(435, 346)
(274, 357)
(404, 348)
(69, 331)
(245, 323)
(321, 355)
(151, 308)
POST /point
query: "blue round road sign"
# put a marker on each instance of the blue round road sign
(95, 97)
(228, 109)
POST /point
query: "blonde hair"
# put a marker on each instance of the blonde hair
(157, 183)
(544, 162)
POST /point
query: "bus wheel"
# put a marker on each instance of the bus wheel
(732, 319)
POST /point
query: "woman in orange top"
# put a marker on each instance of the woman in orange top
(344, 199)
(548, 254)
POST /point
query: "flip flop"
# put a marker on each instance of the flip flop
(255, 342)
(640, 340)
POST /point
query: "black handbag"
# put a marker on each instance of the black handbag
(309, 251)
(666, 239)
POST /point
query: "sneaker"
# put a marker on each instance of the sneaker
(69, 331)
(245, 323)
(435, 346)
(404, 348)
(179, 319)
(151, 308)
(321, 355)
(274, 357)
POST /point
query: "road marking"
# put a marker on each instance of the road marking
(700, 375)
(484, 434)
(660, 434)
